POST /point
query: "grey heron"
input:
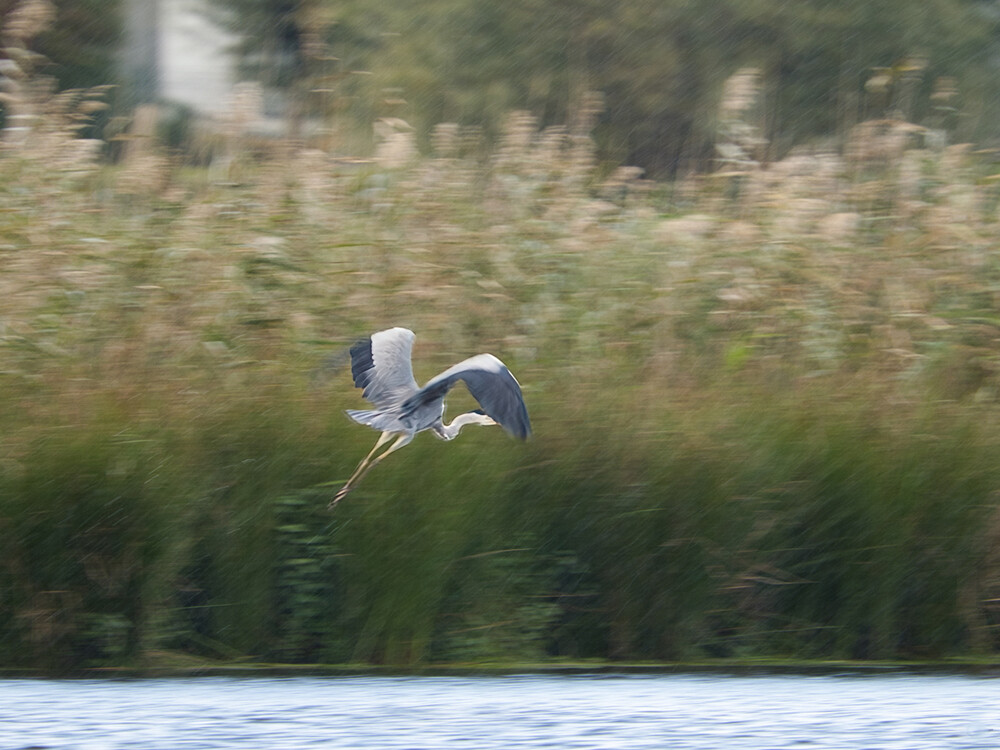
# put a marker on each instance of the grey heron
(380, 364)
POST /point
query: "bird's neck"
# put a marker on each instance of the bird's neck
(450, 431)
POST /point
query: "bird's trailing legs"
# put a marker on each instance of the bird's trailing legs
(367, 463)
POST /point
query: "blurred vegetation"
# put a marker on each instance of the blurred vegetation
(81, 45)
(766, 401)
(659, 65)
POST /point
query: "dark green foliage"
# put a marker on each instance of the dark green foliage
(883, 531)
(659, 65)
(80, 48)
(306, 583)
(82, 530)
(82, 45)
(808, 531)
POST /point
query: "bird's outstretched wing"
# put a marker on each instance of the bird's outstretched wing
(490, 383)
(381, 365)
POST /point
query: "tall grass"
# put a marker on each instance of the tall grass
(765, 406)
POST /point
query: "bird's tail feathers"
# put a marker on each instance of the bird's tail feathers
(373, 418)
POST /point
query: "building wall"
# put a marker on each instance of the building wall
(195, 67)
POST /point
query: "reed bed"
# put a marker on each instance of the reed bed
(765, 402)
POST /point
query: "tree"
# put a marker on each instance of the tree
(82, 44)
(660, 64)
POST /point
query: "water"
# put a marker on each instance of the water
(634, 712)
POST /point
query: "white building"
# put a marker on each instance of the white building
(175, 52)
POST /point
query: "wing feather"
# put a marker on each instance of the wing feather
(490, 383)
(380, 364)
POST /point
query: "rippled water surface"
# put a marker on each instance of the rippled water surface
(634, 712)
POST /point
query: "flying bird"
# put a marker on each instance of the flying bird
(380, 364)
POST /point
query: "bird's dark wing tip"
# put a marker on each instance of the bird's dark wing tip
(362, 362)
(522, 429)
(499, 394)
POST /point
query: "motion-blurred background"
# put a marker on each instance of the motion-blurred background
(742, 256)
